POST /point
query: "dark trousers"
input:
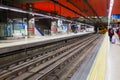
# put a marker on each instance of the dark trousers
(110, 38)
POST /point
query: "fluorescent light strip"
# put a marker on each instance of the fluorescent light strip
(1, 7)
(110, 11)
(16, 10)
(37, 14)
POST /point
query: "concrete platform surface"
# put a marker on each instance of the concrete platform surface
(113, 60)
(11, 45)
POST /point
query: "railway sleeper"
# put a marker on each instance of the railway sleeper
(23, 61)
(20, 67)
(47, 71)
(35, 51)
(57, 73)
(54, 46)
(40, 48)
(51, 68)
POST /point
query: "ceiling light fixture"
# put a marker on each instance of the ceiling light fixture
(37, 14)
(110, 11)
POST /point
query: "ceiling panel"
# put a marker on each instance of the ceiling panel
(99, 7)
(83, 7)
(116, 7)
(51, 7)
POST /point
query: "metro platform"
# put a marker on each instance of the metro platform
(105, 67)
(107, 63)
(11, 45)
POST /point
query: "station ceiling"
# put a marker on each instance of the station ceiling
(94, 11)
(72, 8)
(116, 7)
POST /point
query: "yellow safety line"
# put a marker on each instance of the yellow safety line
(98, 69)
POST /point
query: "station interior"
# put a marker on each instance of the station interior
(59, 40)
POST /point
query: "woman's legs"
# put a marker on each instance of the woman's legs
(110, 38)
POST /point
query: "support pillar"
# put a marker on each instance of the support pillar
(30, 21)
(53, 27)
(69, 28)
(79, 29)
(59, 28)
(31, 25)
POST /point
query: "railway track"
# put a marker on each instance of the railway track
(36, 52)
(58, 65)
(52, 61)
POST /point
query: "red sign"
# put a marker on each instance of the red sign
(30, 29)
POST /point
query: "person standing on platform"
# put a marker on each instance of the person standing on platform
(110, 33)
(118, 33)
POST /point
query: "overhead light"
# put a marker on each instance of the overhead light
(1, 7)
(95, 16)
(32, 13)
(110, 11)
(12, 9)
(17, 10)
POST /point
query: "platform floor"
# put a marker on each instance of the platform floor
(9, 43)
(107, 62)
(113, 61)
